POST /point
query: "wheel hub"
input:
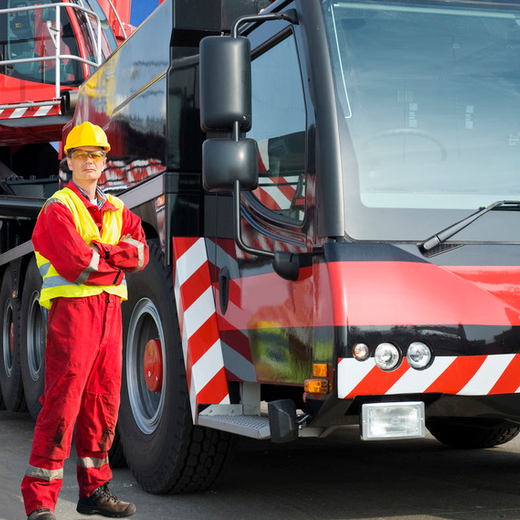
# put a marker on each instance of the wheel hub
(153, 365)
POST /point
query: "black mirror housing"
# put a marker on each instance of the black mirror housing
(225, 83)
(225, 161)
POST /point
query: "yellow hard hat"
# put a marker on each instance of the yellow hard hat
(86, 134)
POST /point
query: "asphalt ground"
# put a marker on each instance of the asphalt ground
(338, 478)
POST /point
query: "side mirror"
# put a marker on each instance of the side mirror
(225, 83)
(225, 161)
(225, 108)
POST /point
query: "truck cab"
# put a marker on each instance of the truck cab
(386, 197)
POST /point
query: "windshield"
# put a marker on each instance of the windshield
(430, 98)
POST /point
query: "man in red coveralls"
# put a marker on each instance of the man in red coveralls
(84, 241)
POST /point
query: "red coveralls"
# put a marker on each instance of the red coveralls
(83, 355)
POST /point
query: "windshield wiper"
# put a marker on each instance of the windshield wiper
(447, 233)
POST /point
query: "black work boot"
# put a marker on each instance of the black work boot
(104, 502)
(41, 514)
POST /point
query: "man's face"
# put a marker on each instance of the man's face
(86, 168)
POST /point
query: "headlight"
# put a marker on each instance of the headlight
(419, 355)
(387, 356)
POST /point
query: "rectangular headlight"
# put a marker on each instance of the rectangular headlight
(380, 421)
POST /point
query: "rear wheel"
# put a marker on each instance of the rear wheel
(10, 372)
(33, 340)
(471, 434)
(168, 454)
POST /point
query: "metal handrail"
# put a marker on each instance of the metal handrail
(118, 19)
(57, 42)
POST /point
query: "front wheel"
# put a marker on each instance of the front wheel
(471, 434)
(165, 452)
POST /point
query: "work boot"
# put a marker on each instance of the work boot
(41, 514)
(104, 502)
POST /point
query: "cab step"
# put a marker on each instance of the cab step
(230, 418)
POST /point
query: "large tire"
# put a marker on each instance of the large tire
(471, 434)
(165, 452)
(10, 371)
(33, 339)
(116, 454)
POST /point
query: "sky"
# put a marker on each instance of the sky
(141, 9)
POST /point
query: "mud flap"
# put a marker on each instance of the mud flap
(282, 421)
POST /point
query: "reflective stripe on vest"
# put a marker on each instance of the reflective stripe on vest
(54, 285)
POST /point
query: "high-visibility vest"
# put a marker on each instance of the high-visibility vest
(54, 285)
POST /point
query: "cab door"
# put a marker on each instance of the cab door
(264, 319)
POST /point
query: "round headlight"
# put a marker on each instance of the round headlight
(360, 351)
(387, 356)
(419, 355)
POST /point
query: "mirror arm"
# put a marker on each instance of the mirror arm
(238, 228)
(235, 134)
(289, 16)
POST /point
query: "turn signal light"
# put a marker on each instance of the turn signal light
(317, 385)
(361, 351)
(319, 370)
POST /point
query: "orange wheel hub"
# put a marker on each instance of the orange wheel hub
(153, 365)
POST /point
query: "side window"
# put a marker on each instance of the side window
(279, 123)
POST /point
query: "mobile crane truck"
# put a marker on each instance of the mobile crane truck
(330, 191)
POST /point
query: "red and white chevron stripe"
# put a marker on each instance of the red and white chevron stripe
(235, 341)
(36, 111)
(196, 310)
(463, 375)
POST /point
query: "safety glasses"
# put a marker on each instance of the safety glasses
(81, 155)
